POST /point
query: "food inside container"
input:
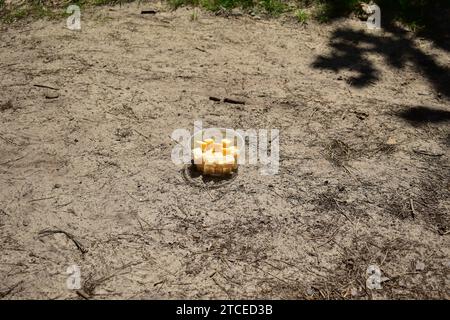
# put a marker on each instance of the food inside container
(215, 156)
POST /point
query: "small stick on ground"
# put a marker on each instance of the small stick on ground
(13, 160)
(428, 154)
(342, 212)
(202, 50)
(139, 221)
(175, 141)
(226, 100)
(64, 204)
(45, 86)
(9, 290)
(41, 199)
(233, 101)
(48, 232)
(413, 211)
(83, 294)
(141, 134)
(8, 65)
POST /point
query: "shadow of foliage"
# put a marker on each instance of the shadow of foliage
(422, 115)
(429, 16)
(349, 48)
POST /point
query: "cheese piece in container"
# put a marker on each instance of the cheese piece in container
(216, 156)
(227, 151)
(201, 144)
(226, 143)
(208, 144)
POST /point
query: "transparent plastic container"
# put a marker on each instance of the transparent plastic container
(218, 134)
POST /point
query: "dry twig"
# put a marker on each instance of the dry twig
(48, 232)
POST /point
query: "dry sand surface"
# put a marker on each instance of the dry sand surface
(86, 176)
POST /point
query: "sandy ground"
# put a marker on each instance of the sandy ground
(364, 176)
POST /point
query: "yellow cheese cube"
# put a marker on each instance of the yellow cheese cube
(201, 144)
(215, 158)
(226, 151)
(226, 143)
(209, 144)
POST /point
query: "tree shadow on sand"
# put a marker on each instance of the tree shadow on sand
(429, 18)
(396, 46)
(349, 49)
(418, 116)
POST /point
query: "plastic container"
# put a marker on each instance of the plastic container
(218, 134)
